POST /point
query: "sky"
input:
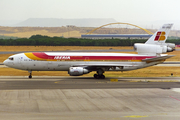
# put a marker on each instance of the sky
(140, 12)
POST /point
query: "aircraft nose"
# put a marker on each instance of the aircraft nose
(5, 62)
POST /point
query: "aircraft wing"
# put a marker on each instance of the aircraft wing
(100, 65)
(157, 58)
(97, 66)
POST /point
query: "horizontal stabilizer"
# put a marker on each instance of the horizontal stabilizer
(157, 58)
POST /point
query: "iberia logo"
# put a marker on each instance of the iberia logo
(62, 57)
(160, 36)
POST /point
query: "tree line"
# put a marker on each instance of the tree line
(39, 40)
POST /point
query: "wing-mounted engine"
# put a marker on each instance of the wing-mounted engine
(77, 71)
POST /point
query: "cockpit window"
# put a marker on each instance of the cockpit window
(11, 58)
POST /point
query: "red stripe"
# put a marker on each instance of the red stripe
(40, 55)
(157, 36)
(109, 58)
(45, 56)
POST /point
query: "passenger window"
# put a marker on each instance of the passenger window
(11, 58)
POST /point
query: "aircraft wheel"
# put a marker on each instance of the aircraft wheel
(30, 76)
(102, 77)
(99, 76)
(96, 76)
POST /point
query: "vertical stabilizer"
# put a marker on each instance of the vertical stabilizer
(160, 36)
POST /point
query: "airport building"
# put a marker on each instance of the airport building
(114, 36)
(119, 36)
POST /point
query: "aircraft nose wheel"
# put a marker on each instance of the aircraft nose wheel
(99, 76)
(30, 74)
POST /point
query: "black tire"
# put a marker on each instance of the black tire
(30, 76)
(95, 76)
(102, 77)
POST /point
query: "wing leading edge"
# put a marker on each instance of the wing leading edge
(99, 65)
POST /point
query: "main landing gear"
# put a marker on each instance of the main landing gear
(30, 74)
(99, 74)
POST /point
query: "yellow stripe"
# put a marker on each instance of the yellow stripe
(135, 60)
(32, 57)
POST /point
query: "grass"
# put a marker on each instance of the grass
(176, 57)
(153, 71)
(58, 48)
(28, 34)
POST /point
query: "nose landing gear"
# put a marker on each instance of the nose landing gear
(30, 74)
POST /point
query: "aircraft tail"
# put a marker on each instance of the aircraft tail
(156, 45)
(161, 35)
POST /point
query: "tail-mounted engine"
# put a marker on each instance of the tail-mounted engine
(154, 48)
(170, 47)
(77, 71)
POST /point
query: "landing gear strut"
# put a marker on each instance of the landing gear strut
(99, 74)
(30, 74)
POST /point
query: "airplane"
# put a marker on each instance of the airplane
(148, 54)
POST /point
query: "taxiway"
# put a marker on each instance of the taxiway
(86, 98)
(40, 82)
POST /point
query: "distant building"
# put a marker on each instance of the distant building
(127, 36)
(70, 26)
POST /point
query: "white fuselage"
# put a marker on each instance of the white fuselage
(54, 61)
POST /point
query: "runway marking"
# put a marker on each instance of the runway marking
(136, 116)
(101, 82)
(174, 98)
(153, 81)
(139, 81)
(58, 82)
(114, 80)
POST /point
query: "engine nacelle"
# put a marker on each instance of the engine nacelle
(77, 71)
(169, 49)
(170, 46)
(149, 49)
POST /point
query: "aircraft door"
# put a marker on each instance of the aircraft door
(20, 60)
(87, 60)
(134, 61)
